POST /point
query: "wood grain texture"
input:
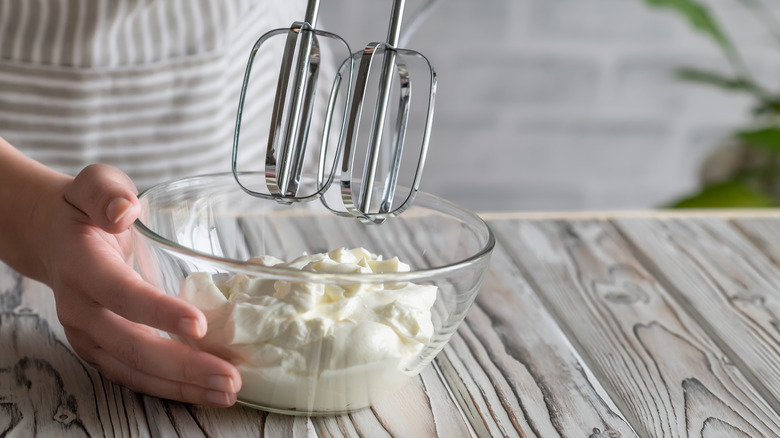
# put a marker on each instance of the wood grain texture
(764, 233)
(662, 370)
(514, 371)
(726, 283)
(45, 389)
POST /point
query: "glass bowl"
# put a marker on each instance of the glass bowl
(317, 336)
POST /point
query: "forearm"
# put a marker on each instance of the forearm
(25, 186)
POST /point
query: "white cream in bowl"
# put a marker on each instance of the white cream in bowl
(315, 347)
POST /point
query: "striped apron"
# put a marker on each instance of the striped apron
(150, 86)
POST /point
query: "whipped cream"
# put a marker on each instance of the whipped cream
(315, 347)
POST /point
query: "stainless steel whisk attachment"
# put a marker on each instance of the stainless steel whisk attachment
(292, 110)
(370, 157)
(359, 185)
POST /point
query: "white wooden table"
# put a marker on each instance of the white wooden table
(588, 325)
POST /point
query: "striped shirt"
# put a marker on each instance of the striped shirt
(150, 86)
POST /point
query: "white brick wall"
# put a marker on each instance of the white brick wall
(566, 104)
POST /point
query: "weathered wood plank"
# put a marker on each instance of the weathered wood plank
(662, 370)
(514, 371)
(726, 283)
(764, 233)
(45, 389)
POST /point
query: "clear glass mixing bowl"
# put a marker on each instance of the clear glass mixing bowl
(206, 224)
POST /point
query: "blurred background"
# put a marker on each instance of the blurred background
(549, 105)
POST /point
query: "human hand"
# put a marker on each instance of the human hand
(108, 311)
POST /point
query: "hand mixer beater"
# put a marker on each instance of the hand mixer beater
(382, 72)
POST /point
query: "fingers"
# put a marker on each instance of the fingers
(140, 359)
(116, 286)
(217, 394)
(105, 194)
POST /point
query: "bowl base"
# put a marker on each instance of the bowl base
(298, 413)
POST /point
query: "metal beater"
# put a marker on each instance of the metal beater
(368, 191)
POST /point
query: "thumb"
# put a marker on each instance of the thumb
(105, 194)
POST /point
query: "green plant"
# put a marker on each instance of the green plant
(755, 183)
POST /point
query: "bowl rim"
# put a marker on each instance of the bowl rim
(297, 274)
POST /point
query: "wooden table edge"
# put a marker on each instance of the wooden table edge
(617, 214)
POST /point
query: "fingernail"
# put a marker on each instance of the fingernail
(218, 398)
(117, 209)
(222, 383)
(191, 327)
